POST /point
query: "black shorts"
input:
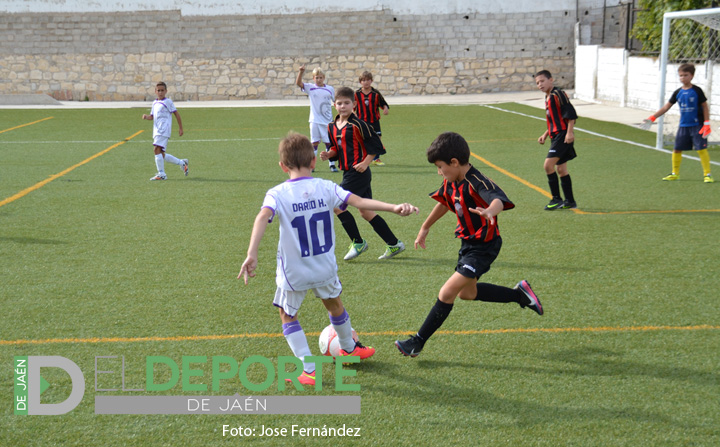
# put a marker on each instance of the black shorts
(475, 258)
(376, 127)
(689, 138)
(357, 183)
(560, 149)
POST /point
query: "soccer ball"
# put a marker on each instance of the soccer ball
(329, 342)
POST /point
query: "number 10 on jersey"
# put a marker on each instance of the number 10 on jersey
(315, 223)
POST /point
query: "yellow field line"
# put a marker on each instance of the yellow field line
(579, 211)
(39, 185)
(513, 176)
(388, 333)
(28, 124)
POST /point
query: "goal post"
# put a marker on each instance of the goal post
(689, 37)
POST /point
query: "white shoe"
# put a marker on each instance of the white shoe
(159, 176)
(184, 167)
(356, 249)
(393, 250)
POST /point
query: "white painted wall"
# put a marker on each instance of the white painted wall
(608, 75)
(251, 7)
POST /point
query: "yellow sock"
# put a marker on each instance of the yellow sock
(676, 160)
(705, 161)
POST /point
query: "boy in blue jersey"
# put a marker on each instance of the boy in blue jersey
(691, 133)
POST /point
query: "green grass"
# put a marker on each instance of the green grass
(103, 252)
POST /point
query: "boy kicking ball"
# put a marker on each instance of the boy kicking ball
(476, 200)
(304, 205)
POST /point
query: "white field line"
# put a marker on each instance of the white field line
(174, 141)
(645, 146)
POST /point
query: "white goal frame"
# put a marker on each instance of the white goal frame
(668, 17)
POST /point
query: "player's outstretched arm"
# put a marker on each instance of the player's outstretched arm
(250, 264)
(403, 209)
(647, 122)
(489, 213)
(436, 213)
(147, 117)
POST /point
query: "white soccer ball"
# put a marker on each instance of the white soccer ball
(329, 342)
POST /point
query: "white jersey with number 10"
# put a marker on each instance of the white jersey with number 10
(306, 249)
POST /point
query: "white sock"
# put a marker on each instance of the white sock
(295, 337)
(342, 326)
(160, 163)
(172, 159)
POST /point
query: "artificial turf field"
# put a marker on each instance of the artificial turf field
(99, 261)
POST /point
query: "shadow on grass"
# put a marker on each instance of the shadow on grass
(604, 362)
(428, 386)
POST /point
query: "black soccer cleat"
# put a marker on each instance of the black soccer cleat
(555, 204)
(410, 347)
(533, 301)
(568, 205)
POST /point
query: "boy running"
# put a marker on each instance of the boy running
(476, 200)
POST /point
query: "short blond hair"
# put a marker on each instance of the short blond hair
(296, 151)
(318, 71)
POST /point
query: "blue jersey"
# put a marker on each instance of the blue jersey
(689, 100)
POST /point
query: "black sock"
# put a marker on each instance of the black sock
(348, 222)
(500, 294)
(435, 319)
(383, 230)
(567, 188)
(554, 184)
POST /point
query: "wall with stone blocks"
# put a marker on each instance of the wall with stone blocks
(121, 55)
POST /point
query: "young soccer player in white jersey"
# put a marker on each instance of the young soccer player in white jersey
(306, 249)
(161, 114)
(321, 99)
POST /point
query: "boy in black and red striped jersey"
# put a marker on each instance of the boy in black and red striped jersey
(476, 200)
(561, 118)
(369, 102)
(355, 144)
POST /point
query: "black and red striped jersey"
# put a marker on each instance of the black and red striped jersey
(353, 142)
(367, 106)
(474, 191)
(559, 111)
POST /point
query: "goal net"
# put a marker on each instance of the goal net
(690, 37)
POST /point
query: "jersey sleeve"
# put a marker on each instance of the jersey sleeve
(441, 196)
(567, 110)
(673, 97)
(341, 196)
(381, 100)
(371, 140)
(489, 191)
(270, 202)
(170, 105)
(701, 95)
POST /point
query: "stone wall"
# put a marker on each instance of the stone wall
(120, 56)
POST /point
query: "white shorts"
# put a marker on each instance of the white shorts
(291, 300)
(318, 132)
(161, 141)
